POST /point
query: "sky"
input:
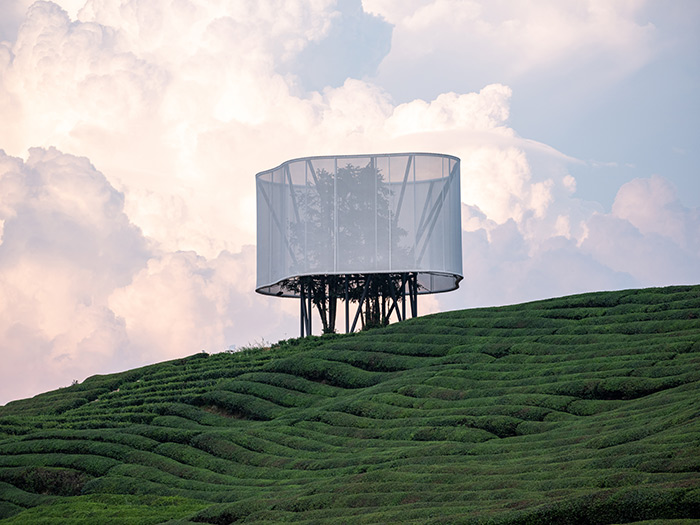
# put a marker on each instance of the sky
(131, 132)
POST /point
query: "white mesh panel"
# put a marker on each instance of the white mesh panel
(357, 215)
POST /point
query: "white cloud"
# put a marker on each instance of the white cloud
(179, 104)
(588, 44)
(651, 259)
(108, 84)
(66, 245)
(182, 109)
(83, 292)
(486, 110)
(649, 239)
(182, 303)
(502, 267)
(499, 182)
(650, 235)
(652, 206)
(355, 108)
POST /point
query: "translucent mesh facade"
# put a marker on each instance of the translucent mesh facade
(364, 214)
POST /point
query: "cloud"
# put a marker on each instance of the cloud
(651, 259)
(108, 84)
(499, 182)
(82, 291)
(181, 106)
(353, 46)
(486, 110)
(648, 239)
(653, 207)
(650, 235)
(167, 98)
(182, 303)
(511, 40)
(502, 267)
(145, 251)
(66, 245)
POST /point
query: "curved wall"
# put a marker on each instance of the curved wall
(360, 214)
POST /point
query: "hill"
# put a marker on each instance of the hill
(581, 409)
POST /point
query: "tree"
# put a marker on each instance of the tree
(345, 222)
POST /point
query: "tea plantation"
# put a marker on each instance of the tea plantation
(581, 409)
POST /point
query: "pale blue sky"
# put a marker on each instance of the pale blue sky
(624, 124)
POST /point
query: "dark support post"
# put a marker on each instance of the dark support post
(302, 315)
(306, 308)
(382, 295)
(403, 295)
(394, 300)
(413, 290)
(383, 308)
(347, 305)
(359, 305)
(309, 310)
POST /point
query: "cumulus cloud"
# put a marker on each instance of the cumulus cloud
(502, 267)
(648, 239)
(82, 291)
(486, 110)
(649, 259)
(159, 99)
(145, 251)
(650, 235)
(181, 103)
(499, 182)
(653, 207)
(510, 39)
(108, 84)
(66, 245)
(182, 302)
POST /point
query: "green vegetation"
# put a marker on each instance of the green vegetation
(581, 409)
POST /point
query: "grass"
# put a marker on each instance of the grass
(580, 409)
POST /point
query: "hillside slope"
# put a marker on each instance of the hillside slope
(582, 409)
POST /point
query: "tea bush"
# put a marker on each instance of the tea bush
(580, 409)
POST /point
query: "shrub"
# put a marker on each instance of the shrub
(8, 509)
(22, 498)
(229, 512)
(49, 481)
(335, 373)
(239, 406)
